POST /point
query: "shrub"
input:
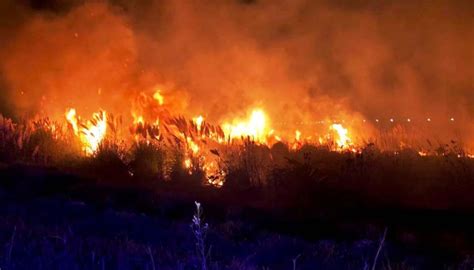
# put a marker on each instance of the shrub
(147, 161)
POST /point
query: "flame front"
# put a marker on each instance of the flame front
(255, 127)
(156, 122)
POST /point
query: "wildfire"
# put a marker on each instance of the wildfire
(254, 127)
(192, 146)
(187, 164)
(297, 144)
(198, 121)
(158, 97)
(297, 135)
(343, 141)
(215, 176)
(90, 133)
(71, 118)
(138, 119)
(202, 139)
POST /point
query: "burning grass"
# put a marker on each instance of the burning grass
(195, 153)
(297, 179)
(242, 153)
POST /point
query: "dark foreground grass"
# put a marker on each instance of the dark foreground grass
(51, 219)
(53, 233)
(131, 208)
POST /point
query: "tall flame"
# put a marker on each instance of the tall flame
(255, 127)
(198, 121)
(71, 118)
(90, 133)
(343, 141)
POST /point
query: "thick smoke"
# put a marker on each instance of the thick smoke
(299, 60)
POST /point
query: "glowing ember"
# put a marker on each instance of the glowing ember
(422, 153)
(214, 175)
(188, 164)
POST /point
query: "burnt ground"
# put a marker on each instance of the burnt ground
(51, 219)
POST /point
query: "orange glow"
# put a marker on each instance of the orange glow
(193, 146)
(198, 121)
(71, 118)
(422, 153)
(91, 133)
(342, 139)
(138, 119)
(188, 164)
(297, 135)
(199, 137)
(158, 97)
(255, 127)
(246, 95)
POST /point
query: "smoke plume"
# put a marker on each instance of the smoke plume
(300, 60)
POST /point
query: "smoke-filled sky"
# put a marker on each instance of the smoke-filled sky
(299, 59)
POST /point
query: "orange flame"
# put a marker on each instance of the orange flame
(71, 118)
(158, 97)
(343, 141)
(91, 133)
(255, 127)
(198, 121)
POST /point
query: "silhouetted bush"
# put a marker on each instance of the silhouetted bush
(147, 162)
